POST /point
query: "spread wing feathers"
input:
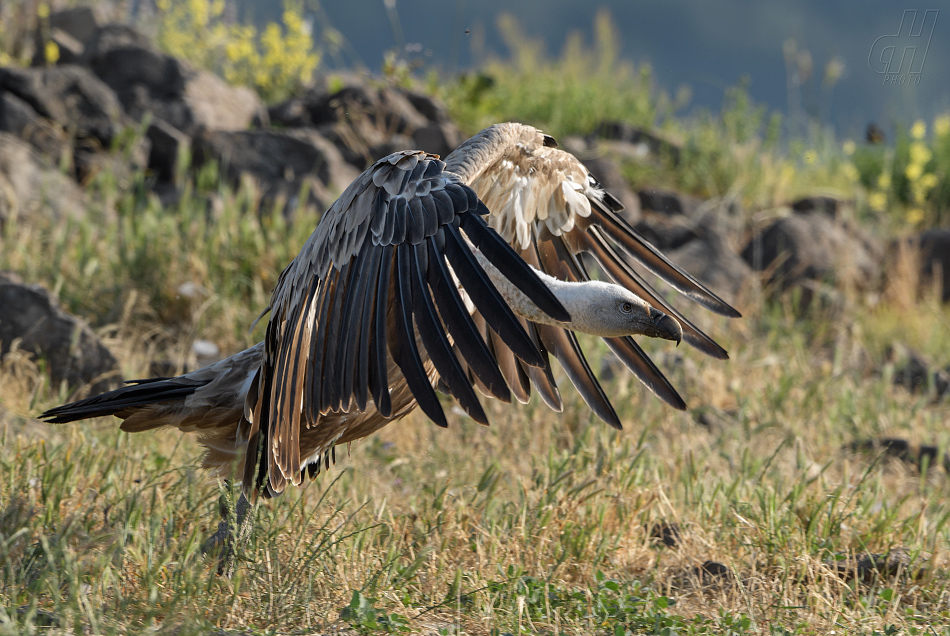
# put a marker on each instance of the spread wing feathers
(528, 184)
(374, 295)
(550, 208)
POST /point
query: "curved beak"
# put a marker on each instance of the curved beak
(663, 326)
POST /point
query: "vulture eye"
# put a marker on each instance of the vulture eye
(626, 307)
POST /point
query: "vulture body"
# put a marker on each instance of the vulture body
(461, 277)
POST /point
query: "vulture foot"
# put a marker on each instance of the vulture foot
(227, 539)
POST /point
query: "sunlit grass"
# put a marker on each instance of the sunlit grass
(539, 523)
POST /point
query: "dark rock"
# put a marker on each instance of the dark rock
(18, 118)
(636, 143)
(915, 373)
(439, 138)
(366, 122)
(700, 242)
(387, 109)
(31, 186)
(867, 566)
(32, 320)
(665, 232)
(168, 144)
(78, 22)
(70, 49)
(428, 107)
(916, 455)
(713, 262)
(607, 172)
(110, 37)
(148, 81)
(667, 533)
(281, 162)
(713, 569)
(825, 205)
(668, 202)
(711, 574)
(291, 113)
(37, 617)
(812, 247)
(934, 248)
(71, 96)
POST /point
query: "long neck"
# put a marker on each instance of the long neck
(481, 152)
(575, 296)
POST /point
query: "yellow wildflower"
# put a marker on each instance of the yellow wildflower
(810, 157)
(913, 171)
(849, 147)
(42, 11)
(920, 153)
(919, 129)
(884, 181)
(850, 172)
(928, 181)
(877, 201)
(51, 52)
(915, 216)
(942, 125)
(787, 173)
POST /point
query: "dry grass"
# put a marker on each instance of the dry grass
(538, 524)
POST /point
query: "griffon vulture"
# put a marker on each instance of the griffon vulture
(461, 277)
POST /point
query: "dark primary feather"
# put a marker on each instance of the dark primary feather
(622, 274)
(639, 363)
(438, 348)
(402, 346)
(654, 260)
(487, 299)
(510, 263)
(556, 260)
(467, 339)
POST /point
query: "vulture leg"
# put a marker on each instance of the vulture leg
(227, 538)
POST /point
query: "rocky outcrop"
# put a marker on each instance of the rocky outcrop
(367, 122)
(933, 251)
(30, 185)
(148, 82)
(280, 162)
(699, 236)
(32, 321)
(67, 114)
(806, 248)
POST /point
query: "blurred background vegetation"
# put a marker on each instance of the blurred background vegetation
(779, 152)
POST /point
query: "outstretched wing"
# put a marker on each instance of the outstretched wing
(549, 207)
(383, 265)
